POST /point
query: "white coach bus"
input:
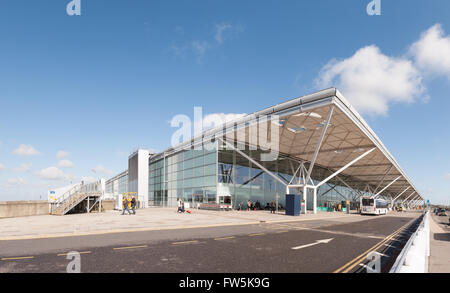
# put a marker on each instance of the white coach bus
(373, 206)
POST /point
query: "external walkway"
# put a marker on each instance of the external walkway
(439, 261)
(150, 219)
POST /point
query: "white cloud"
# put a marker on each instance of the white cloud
(53, 173)
(227, 29)
(88, 179)
(447, 176)
(65, 164)
(26, 150)
(62, 154)
(220, 29)
(371, 81)
(2, 167)
(200, 47)
(16, 181)
(102, 170)
(23, 167)
(432, 51)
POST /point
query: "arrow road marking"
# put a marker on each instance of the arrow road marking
(312, 244)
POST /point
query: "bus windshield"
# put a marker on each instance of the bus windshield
(367, 201)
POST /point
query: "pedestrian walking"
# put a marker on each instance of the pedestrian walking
(180, 205)
(133, 205)
(125, 206)
(272, 207)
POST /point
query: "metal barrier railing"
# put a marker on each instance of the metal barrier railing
(415, 253)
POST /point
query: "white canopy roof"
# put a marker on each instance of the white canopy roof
(347, 137)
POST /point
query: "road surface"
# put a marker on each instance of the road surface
(316, 246)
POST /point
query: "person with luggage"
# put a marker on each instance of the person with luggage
(180, 206)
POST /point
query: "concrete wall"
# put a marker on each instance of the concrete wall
(108, 205)
(9, 209)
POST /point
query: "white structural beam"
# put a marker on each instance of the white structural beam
(319, 143)
(345, 167)
(387, 186)
(408, 196)
(254, 162)
(294, 176)
(355, 192)
(400, 194)
(382, 180)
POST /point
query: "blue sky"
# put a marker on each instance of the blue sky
(98, 85)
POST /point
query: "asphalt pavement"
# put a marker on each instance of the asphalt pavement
(321, 246)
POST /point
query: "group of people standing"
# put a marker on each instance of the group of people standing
(257, 206)
(128, 204)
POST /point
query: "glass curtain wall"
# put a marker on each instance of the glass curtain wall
(202, 176)
(244, 181)
(188, 174)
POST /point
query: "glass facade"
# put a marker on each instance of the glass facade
(123, 184)
(244, 181)
(189, 174)
(202, 176)
(117, 185)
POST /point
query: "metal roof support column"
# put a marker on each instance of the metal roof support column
(408, 197)
(339, 178)
(345, 167)
(400, 195)
(319, 143)
(411, 201)
(295, 173)
(255, 162)
(315, 200)
(387, 186)
(382, 180)
(328, 190)
(305, 198)
(300, 173)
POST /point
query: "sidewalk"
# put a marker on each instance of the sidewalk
(439, 261)
(48, 226)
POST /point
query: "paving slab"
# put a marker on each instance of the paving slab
(49, 226)
(439, 261)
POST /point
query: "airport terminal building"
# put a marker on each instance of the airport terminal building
(316, 145)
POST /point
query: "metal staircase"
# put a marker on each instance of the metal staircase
(81, 193)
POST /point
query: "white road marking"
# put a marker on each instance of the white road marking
(130, 247)
(17, 258)
(83, 252)
(185, 242)
(224, 238)
(312, 244)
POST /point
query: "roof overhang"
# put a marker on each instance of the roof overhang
(346, 138)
